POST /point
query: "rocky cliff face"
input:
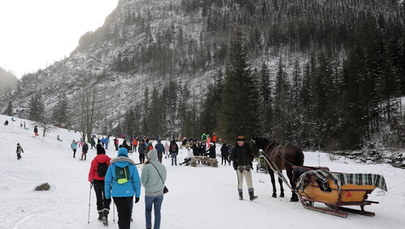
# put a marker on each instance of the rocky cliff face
(147, 43)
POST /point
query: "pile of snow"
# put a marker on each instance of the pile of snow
(200, 197)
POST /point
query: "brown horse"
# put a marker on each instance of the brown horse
(282, 158)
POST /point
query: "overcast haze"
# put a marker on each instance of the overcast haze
(35, 33)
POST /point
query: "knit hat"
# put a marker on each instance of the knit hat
(152, 154)
(100, 149)
(122, 152)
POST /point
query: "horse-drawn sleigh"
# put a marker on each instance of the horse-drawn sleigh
(312, 185)
(337, 190)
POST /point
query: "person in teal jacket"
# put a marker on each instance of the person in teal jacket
(122, 182)
(153, 179)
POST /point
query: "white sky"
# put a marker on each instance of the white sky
(36, 33)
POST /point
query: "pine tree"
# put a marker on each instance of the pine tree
(211, 105)
(282, 112)
(60, 112)
(170, 92)
(266, 100)
(155, 114)
(238, 114)
(9, 109)
(36, 108)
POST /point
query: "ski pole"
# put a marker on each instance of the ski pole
(88, 216)
(113, 210)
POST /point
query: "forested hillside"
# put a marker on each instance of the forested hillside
(319, 74)
(8, 81)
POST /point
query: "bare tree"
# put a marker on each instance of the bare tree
(86, 106)
(46, 124)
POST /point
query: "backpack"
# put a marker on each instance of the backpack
(102, 169)
(123, 175)
(173, 148)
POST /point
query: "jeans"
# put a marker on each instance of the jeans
(156, 201)
(174, 158)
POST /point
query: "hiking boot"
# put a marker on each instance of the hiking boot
(105, 221)
(105, 212)
(252, 196)
(105, 216)
(240, 194)
(100, 215)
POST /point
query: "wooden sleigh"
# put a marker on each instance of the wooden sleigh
(334, 191)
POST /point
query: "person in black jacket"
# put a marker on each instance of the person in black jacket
(19, 151)
(211, 151)
(142, 151)
(173, 151)
(242, 158)
(224, 153)
(85, 148)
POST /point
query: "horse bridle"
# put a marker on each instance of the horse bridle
(268, 146)
(282, 157)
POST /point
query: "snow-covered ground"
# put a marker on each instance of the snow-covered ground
(200, 197)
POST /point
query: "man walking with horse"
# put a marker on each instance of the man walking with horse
(242, 158)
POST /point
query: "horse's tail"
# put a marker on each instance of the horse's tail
(299, 157)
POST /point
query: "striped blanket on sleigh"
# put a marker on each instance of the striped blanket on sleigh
(341, 179)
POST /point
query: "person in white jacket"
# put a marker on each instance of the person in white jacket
(187, 160)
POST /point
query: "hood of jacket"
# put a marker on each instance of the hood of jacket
(122, 161)
(102, 158)
(152, 155)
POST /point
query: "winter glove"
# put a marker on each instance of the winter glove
(136, 199)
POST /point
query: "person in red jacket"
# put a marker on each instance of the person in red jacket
(98, 169)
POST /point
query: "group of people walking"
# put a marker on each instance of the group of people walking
(122, 183)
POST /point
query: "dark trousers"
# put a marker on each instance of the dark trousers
(224, 159)
(74, 153)
(99, 190)
(142, 158)
(83, 157)
(124, 211)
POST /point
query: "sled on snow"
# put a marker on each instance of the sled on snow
(261, 164)
(336, 190)
(203, 159)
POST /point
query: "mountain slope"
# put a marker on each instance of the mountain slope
(147, 43)
(190, 202)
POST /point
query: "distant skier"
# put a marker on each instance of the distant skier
(116, 143)
(85, 148)
(141, 151)
(224, 154)
(173, 151)
(74, 148)
(92, 142)
(36, 131)
(166, 149)
(58, 138)
(19, 151)
(160, 150)
(106, 142)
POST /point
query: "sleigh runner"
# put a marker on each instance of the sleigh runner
(337, 190)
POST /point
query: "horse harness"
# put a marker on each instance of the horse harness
(274, 167)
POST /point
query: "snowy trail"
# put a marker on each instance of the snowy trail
(201, 197)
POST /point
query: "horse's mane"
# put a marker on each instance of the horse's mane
(262, 141)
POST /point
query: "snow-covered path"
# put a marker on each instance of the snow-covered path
(200, 197)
